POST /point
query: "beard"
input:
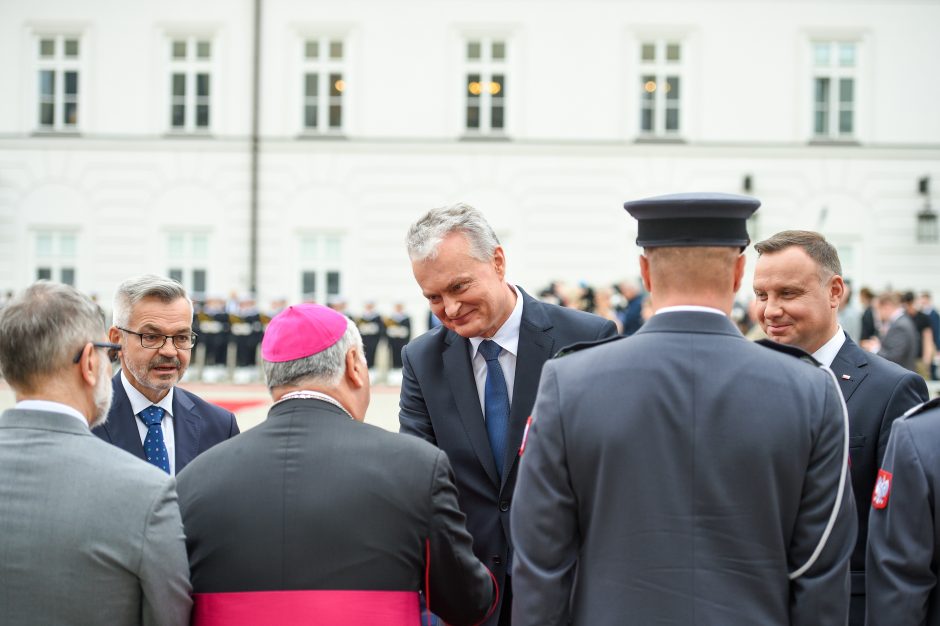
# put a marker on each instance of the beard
(102, 397)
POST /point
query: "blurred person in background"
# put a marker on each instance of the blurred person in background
(925, 338)
(898, 339)
(850, 316)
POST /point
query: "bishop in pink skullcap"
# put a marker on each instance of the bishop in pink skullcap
(300, 331)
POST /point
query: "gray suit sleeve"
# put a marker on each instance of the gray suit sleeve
(461, 589)
(899, 578)
(544, 517)
(821, 595)
(898, 343)
(413, 416)
(910, 391)
(164, 566)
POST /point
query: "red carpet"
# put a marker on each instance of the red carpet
(235, 405)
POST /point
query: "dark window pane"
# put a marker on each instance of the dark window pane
(499, 50)
(177, 116)
(46, 83)
(473, 85)
(71, 83)
(473, 49)
(70, 114)
(179, 84)
(309, 280)
(336, 84)
(310, 116)
(203, 49)
(44, 273)
(71, 48)
(672, 119)
(473, 116)
(177, 275)
(845, 122)
(199, 281)
(312, 49)
(846, 90)
(496, 117)
(648, 85)
(311, 85)
(672, 52)
(336, 49)
(202, 85)
(336, 115)
(498, 85)
(46, 114)
(46, 48)
(648, 52)
(646, 120)
(332, 283)
(202, 115)
(179, 49)
(821, 123)
(822, 91)
(67, 275)
(672, 88)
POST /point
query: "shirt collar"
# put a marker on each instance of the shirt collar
(52, 407)
(690, 307)
(139, 401)
(508, 334)
(827, 353)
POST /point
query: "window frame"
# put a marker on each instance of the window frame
(660, 71)
(328, 97)
(321, 264)
(835, 73)
(192, 68)
(59, 65)
(486, 70)
(187, 263)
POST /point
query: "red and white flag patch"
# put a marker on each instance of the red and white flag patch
(525, 435)
(879, 497)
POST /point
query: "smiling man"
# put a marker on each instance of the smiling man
(469, 385)
(151, 418)
(798, 284)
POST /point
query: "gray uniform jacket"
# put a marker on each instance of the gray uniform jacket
(88, 533)
(903, 556)
(677, 477)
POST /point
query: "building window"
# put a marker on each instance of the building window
(323, 85)
(321, 257)
(486, 70)
(834, 89)
(190, 84)
(55, 254)
(188, 257)
(59, 59)
(660, 88)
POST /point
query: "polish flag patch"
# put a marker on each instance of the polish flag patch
(879, 497)
(525, 435)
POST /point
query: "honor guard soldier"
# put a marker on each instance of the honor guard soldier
(685, 475)
(246, 333)
(372, 330)
(903, 556)
(214, 329)
(398, 334)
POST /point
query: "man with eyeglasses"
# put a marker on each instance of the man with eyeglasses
(151, 417)
(88, 535)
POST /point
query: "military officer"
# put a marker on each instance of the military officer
(685, 475)
(372, 329)
(903, 555)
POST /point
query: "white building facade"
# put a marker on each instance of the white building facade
(127, 134)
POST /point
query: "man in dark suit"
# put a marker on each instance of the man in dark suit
(150, 417)
(316, 518)
(798, 284)
(469, 385)
(685, 475)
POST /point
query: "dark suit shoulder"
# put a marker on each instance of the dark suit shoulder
(931, 408)
(584, 345)
(788, 350)
(571, 317)
(205, 407)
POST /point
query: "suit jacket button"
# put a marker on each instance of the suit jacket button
(504, 506)
(497, 560)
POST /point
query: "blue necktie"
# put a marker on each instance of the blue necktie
(154, 446)
(495, 402)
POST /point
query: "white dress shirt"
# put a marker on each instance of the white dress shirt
(139, 402)
(828, 351)
(508, 339)
(52, 407)
(690, 307)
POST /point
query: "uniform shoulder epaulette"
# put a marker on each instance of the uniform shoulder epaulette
(923, 407)
(584, 345)
(791, 350)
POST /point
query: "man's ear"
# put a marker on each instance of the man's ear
(645, 273)
(739, 272)
(836, 289)
(357, 374)
(88, 365)
(499, 261)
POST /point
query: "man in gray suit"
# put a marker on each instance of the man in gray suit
(898, 341)
(88, 534)
(685, 475)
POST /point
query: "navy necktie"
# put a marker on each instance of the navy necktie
(495, 402)
(154, 446)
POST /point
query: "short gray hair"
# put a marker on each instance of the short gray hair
(426, 234)
(42, 329)
(135, 289)
(325, 368)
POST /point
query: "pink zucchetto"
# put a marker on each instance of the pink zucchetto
(300, 331)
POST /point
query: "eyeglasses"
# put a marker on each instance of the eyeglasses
(155, 341)
(113, 349)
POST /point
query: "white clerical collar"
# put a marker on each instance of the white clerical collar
(309, 394)
(690, 307)
(827, 353)
(139, 401)
(52, 407)
(507, 337)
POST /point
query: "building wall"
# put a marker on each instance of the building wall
(124, 186)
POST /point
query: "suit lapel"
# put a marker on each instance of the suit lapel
(850, 362)
(535, 348)
(122, 423)
(185, 428)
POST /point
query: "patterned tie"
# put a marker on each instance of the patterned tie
(154, 447)
(495, 402)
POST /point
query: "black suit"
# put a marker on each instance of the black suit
(440, 403)
(197, 424)
(876, 392)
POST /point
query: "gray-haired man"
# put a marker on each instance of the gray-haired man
(152, 418)
(88, 535)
